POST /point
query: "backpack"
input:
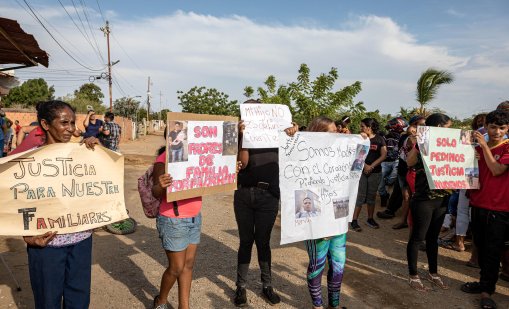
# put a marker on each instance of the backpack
(391, 141)
(149, 203)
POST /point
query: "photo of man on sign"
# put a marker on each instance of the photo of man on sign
(178, 141)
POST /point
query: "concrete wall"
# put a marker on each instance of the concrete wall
(25, 118)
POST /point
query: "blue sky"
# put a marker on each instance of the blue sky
(231, 44)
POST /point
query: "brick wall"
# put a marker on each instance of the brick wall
(25, 118)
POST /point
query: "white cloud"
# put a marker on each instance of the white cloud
(455, 13)
(185, 49)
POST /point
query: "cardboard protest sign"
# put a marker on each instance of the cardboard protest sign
(61, 187)
(263, 124)
(449, 157)
(319, 177)
(201, 154)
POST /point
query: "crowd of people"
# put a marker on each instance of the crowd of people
(13, 134)
(393, 168)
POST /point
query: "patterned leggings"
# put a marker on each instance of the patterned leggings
(334, 249)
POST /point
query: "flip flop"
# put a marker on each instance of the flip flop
(488, 303)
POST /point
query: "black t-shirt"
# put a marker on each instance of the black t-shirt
(262, 167)
(173, 135)
(375, 149)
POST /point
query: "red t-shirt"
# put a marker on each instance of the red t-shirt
(187, 208)
(494, 190)
(34, 139)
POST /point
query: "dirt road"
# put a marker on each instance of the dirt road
(127, 269)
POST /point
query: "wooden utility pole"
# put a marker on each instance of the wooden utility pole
(106, 31)
(148, 100)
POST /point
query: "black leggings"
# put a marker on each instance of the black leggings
(255, 213)
(427, 217)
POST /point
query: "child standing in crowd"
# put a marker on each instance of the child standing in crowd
(370, 177)
(179, 227)
(428, 209)
(490, 207)
(332, 249)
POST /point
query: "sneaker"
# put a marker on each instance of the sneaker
(372, 223)
(271, 295)
(240, 299)
(386, 214)
(354, 225)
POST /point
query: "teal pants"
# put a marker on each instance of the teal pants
(332, 249)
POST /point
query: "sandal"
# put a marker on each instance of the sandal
(436, 280)
(163, 306)
(471, 287)
(488, 303)
(416, 284)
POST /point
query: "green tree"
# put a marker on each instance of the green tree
(91, 92)
(29, 93)
(126, 107)
(81, 104)
(163, 114)
(310, 98)
(428, 84)
(200, 100)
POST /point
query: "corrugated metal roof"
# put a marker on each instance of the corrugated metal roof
(19, 47)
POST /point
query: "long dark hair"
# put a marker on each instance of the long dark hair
(437, 120)
(163, 148)
(373, 124)
(319, 124)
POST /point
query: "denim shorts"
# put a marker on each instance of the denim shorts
(178, 233)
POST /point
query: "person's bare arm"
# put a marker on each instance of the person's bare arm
(86, 122)
(21, 134)
(161, 180)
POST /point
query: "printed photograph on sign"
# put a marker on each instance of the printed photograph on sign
(340, 207)
(230, 138)
(360, 155)
(307, 205)
(177, 139)
(423, 139)
(467, 137)
(472, 175)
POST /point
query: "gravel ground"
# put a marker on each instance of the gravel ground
(126, 270)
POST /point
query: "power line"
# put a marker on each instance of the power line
(83, 34)
(100, 11)
(84, 6)
(54, 39)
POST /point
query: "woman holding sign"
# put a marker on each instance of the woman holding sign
(371, 173)
(60, 265)
(332, 248)
(428, 208)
